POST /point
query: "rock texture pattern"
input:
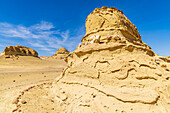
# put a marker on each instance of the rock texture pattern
(19, 50)
(113, 71)
(110, 25)
(61, 53)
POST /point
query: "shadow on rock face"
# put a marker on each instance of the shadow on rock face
(18, 50)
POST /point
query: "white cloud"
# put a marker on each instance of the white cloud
(36, 45)
(36, 31)
(43, 25)
(42, 36)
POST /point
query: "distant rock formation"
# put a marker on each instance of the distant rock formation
(61, 53)
(19, 50)
(113, 71)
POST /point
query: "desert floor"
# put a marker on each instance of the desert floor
(18, 74)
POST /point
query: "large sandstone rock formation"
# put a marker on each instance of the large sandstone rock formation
(113, 71)
(110, 25)
(19, 50)
(61, 53)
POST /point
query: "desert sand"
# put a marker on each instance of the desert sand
(19, 73)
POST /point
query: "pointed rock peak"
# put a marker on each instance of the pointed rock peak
(62, 50)
(61, 53)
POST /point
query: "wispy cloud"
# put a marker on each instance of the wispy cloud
(43, 25)
(42, 36)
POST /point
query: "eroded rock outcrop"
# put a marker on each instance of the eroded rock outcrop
(113, 71)
(19, 50)
(110, 25)
(61, 53)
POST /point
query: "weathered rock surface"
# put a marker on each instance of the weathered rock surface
(110, 25)
(62, 50)
(113, 71)
(61, 53)
(19, 50)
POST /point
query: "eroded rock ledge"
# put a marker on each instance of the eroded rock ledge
(113, 70)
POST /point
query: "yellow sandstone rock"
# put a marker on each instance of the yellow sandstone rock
(19, 50)
(61, 53)
(111, 25)
(113, 71)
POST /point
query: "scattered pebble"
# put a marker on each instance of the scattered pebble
(26, 90)
(163, 65)
(22, 92)
(19, 97)
(15, 101)
(52, 101)
(14, 110)
(167, 69)
(18, 106)
(13, 80)
(23, 102)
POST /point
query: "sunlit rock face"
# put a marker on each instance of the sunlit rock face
(110, 25)
(61, 53)
(113, 71)
(19, 50)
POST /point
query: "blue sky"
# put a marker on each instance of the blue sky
(46, 25)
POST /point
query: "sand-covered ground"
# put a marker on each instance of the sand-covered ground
(18, 74)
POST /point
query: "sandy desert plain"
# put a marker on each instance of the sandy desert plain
(18, 74)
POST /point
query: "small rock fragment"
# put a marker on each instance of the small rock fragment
(14, 110)
(15, 101)
(23, 102)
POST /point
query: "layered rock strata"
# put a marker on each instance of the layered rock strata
(113, 71)
(61, 53)
(105, 25)
(19, 50)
